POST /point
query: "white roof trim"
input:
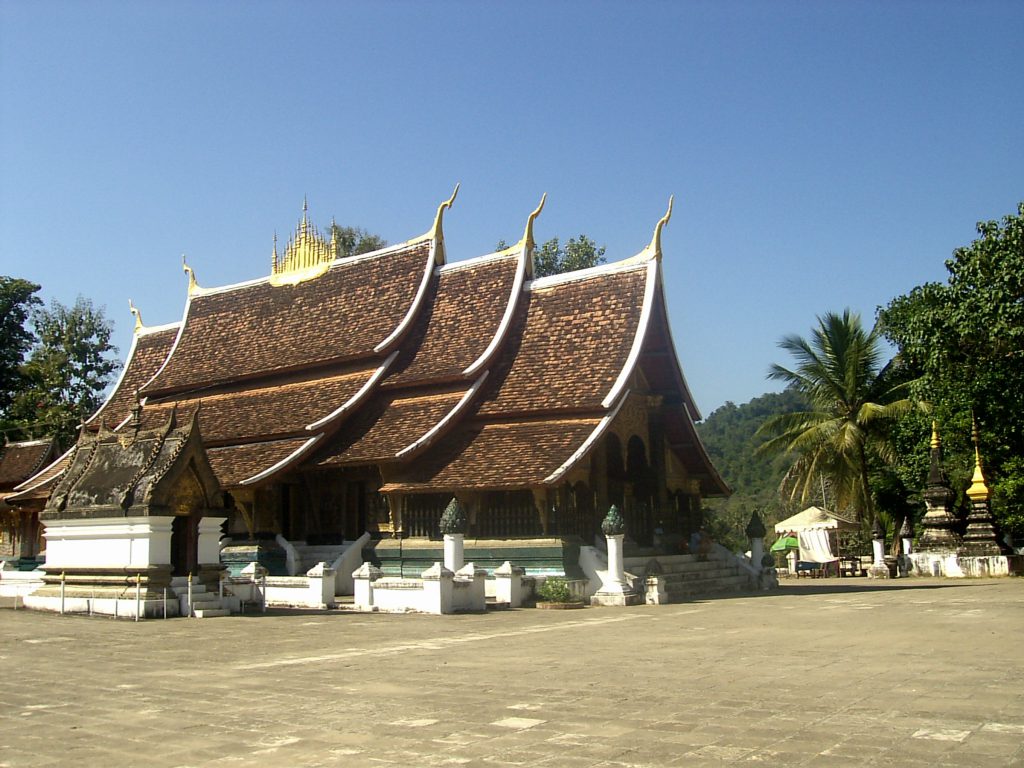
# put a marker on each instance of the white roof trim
(625, 265)
(143, 331)
(120, 378)
(506, 319)
(283, 462)
(24, 486)
(689, 402)
(429, 435)
(414, 309)
(26, 443)
(174, 346)
(358, 396)
(453, 266)
(588, 443)
(638, 339)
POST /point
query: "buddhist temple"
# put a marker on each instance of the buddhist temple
(19, 525)
(343, 395)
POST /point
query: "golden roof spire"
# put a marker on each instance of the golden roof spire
(936, 441)
(193, 286)
(528, 243)
(307, 254)
(654, 249)
(137, 314)
(273, 258)
(979, 490)
(437, 231)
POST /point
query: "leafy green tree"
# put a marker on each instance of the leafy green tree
(964, 340)
(730, 435)
(17, 300)
(552, 258)
(844, 432)
(353, 240)
(67, 371)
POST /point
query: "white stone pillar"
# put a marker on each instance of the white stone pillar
(454, 551)
(437, 589)
(878, 551)
(508, 587)
(321, 585)
(362, 580)
(616, 570)
(791, 559)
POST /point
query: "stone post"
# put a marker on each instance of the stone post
(437, 589)
(362, 579)
(614, 589)
(905, 564)
(791, 560)
(321, 585)
(453, 525)
(878, 569)
(508, 586)
(755, 532)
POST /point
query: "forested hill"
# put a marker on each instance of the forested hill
(728, 435)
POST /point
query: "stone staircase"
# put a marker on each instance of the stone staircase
(678, 578)
(205, 604)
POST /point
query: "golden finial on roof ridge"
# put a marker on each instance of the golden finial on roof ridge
(528, 244)
(653, 250)
(137, 314)
(273, 257)
(437, 231)
(193, 286)
(978, 490)
(936, 440)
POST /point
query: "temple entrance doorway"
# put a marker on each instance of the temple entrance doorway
(184, 544)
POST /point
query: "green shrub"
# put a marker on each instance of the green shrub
(555, 591)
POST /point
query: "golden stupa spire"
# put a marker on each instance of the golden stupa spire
(979, 490)
(307, 254)
(936, 441)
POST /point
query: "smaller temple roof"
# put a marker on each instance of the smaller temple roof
(132, 473)
(20, 460)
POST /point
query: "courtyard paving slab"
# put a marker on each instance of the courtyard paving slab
(822, 673)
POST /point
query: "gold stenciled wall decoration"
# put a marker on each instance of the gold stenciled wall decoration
(307, 255)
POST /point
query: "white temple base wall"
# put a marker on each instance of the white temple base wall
(953, 566)
(121, 608)
(110, 542)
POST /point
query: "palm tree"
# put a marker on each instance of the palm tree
(839, 372)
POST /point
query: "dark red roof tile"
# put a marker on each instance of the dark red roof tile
(568, 345)
(459, 324)
(19, 461)
(257, 329)
(149, 350)
(388, 425)
(235, 463)
(504, 455)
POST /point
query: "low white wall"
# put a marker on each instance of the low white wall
(110, 542)
(14, 582)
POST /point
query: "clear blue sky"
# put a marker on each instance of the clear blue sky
(822, 155)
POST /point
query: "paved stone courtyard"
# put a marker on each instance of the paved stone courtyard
(823, 673)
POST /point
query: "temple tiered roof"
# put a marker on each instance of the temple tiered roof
(443, 376)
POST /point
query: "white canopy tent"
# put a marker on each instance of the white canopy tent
(813, 528)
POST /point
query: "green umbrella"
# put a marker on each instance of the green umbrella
(784, 543)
